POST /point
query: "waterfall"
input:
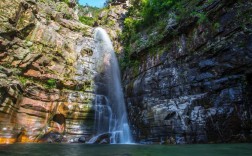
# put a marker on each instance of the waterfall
(110, 111)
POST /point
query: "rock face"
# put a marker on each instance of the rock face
(112, 20)
(46, 76)
(194, 84)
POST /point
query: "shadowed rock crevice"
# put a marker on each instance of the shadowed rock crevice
(59, 118)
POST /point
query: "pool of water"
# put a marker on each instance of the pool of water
(125, 150)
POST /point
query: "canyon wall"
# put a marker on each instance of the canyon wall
(46, 73)
(192, 80)
(47, 69)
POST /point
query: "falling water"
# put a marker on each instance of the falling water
(111, 114)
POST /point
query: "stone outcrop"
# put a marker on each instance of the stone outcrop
(46, 73)
(112, 20)
(192, 84)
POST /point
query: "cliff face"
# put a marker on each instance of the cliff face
(46, 76)
(192, 83)
(112, 20)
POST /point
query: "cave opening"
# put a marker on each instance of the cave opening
(59, 118)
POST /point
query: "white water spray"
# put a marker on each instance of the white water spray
(111, 114)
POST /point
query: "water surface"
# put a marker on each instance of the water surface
(125, 150)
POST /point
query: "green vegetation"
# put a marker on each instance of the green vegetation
(107, 2)
(143, 15)
(88, 15)
(51, 83)
(66, 1)
(87, 20)
(87, 86)
(68, 16)
(85, 11)
(148, 21)
(216, 26)
(23, 80)
(201, 16)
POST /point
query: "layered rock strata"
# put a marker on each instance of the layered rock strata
(46, 73)
(193, 83)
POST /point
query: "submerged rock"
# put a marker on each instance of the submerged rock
(82, 139)
(101, 139)
(52, 137)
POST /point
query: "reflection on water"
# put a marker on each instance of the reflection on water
(125, 150)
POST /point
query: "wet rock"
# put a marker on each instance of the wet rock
(82, 139)
(102, 139)
(74, 140)
(190, 92)
(52, 137)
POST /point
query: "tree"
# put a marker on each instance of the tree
(107, 2)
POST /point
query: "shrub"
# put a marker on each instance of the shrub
(152, 10)
(87, 20)
(66, 1)
(23, 80)
(51, 83)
